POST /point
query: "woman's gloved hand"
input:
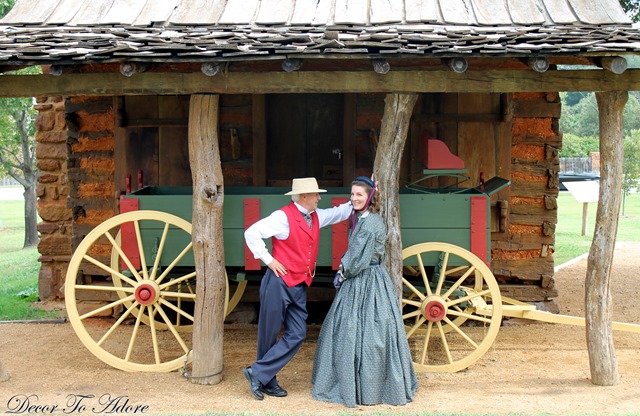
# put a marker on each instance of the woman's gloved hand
(338, 279)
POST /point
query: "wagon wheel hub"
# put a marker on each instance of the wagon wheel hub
(434, 308)
(147, 293)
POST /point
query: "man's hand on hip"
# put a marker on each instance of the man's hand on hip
(277, 268)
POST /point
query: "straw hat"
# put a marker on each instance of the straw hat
(304, 186)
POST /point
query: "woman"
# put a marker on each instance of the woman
(363, 356)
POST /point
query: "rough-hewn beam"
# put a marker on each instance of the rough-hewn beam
(208, 244)
(603, 361)
(318, 81)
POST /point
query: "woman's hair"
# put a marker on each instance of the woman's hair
(369, 185)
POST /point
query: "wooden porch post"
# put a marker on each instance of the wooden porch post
(598, 309)
(386, 167)
(208, 244)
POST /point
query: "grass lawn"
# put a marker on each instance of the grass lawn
(19, 277)
(570, 243)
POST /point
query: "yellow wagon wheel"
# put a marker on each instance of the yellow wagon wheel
(451, 306)
(145, 294)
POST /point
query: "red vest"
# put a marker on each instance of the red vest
(298, 253)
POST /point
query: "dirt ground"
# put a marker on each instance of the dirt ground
(532, 368)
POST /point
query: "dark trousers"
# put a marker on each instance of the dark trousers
(280, 306)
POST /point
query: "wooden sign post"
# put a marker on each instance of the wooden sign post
(585, 192)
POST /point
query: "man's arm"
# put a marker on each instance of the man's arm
(330, 216)
(275, 225)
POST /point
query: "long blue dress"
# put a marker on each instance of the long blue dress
(362, 356)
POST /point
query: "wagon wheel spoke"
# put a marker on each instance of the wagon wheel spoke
(117, 323)
(442, 272)
(459, 282)
(177, 310)
(470, 316)
(172, 328)
(115, 246)
(178, 281)
(425, 347)
(156, 262)
(171, 266)
(445, 330)
(134, 334)
(141, 250)
(461, 332)
(154, 333)
(445, 344)
(106, 307)
(109, 270)
(469, 297)
(413, 289)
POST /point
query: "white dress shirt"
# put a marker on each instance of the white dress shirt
(277, 225)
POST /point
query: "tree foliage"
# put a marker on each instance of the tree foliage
(5, 6)
(632, 7)
(631, 167)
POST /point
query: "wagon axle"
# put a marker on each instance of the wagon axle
(147, 293)
(434, 308)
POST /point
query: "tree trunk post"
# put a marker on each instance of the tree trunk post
(386, 168)
(208, 244)
(598, 309)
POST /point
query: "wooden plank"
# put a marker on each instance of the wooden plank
(559, 11)
(149, 83)
(123, 12)
(351, 12)
(615, 11)
(239, 12)
(156, 12)
(476, 140)
(259, 139)
(457, 12)
(421, 11)
(24, 11)
(173, 154)
(311, 13)
(65, 11)
(384, 11)
(349, 137)
(491, 12)
(91, 12)
(525, 12)
(593, 11)
(197, 12)
(274, 12)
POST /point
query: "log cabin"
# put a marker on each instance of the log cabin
(301, 90)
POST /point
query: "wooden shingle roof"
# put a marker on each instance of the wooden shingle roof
(81, 31)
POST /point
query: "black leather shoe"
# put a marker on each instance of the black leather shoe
(254, 383)
(275, 391)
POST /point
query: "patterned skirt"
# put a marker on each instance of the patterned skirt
(362, 356)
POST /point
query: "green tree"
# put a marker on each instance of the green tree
(5, 6)
(632, 7)
(17, 156)
(631, 167)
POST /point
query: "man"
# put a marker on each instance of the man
(295, 233)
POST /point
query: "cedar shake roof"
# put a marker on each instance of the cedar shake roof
(87, 31)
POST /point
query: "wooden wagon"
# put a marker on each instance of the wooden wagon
(451, 301)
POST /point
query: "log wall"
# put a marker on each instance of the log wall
(78, 156)
(523, 262)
